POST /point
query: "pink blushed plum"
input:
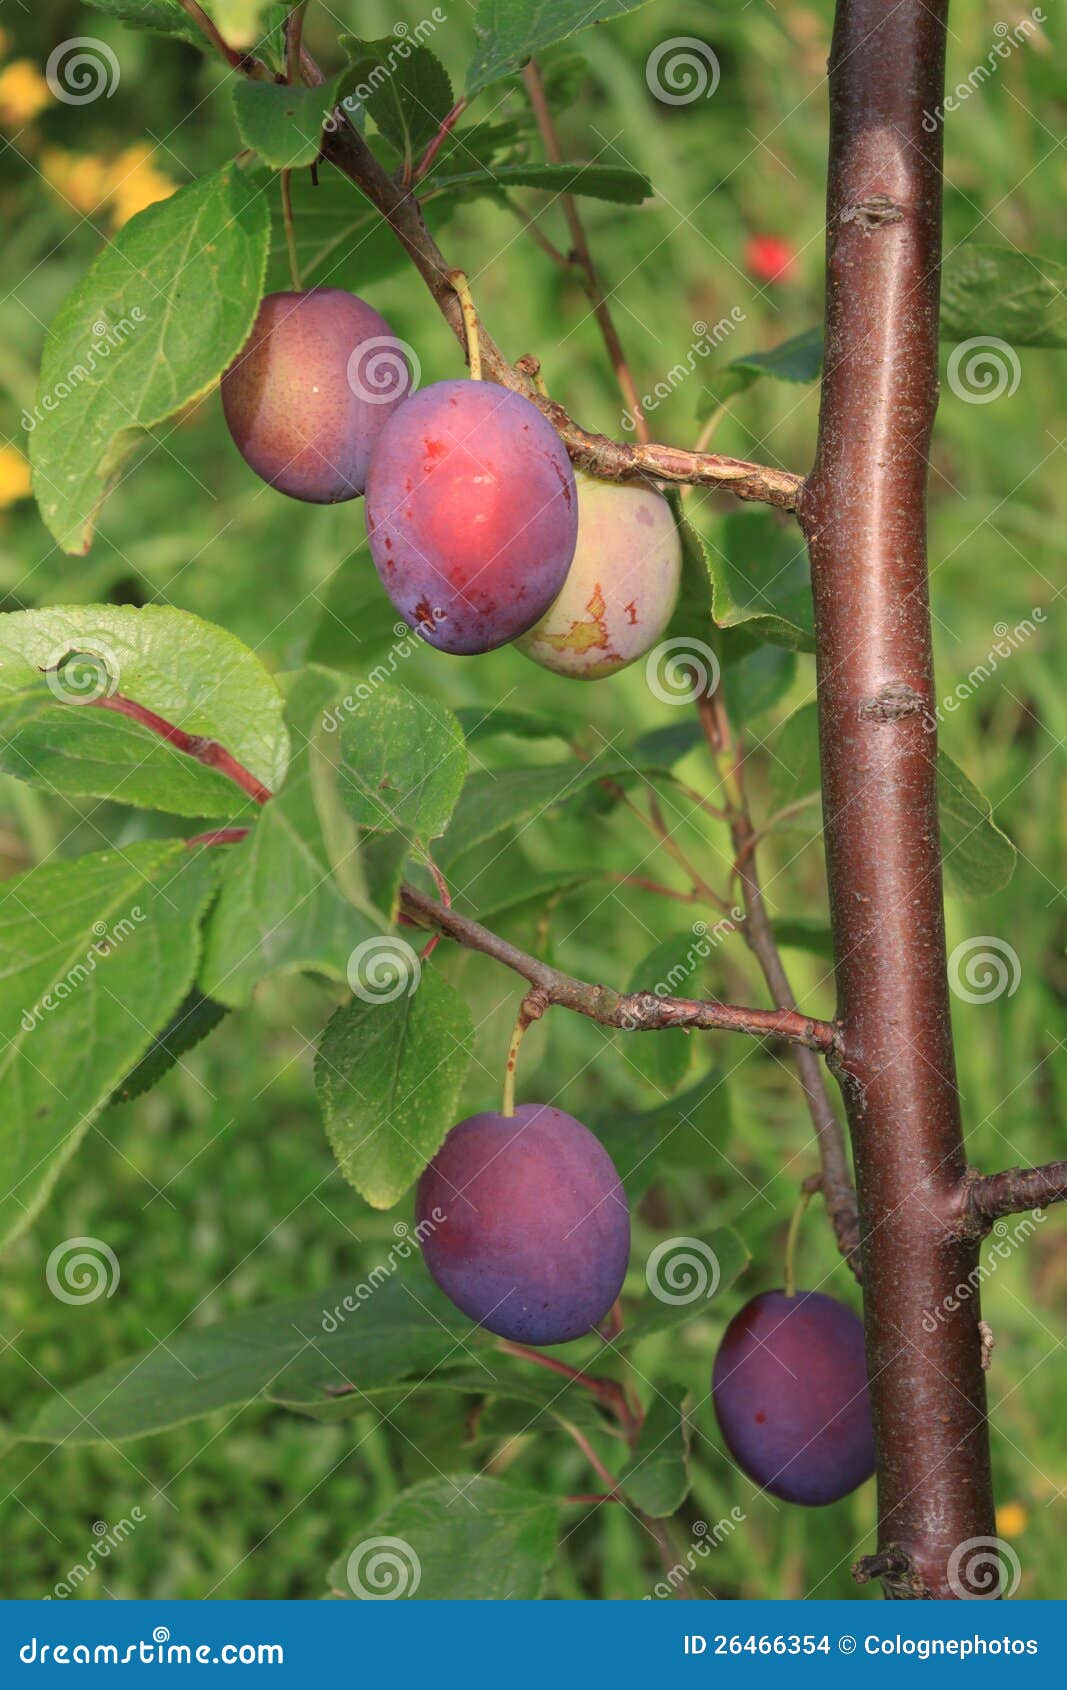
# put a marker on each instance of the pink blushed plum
(472, 514)
(311, 390)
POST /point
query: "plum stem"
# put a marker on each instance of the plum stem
(458, 281)
(532, 1008)
(792, 1237)
(290, 230)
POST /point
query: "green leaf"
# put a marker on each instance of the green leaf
(794, 754)
(195, 676)
(510, 31)
(999, 291)
(685, 1131)
(305, 1347)
(978, 857)
(96, 954)
(798, 359)
(542, 891)
(164, 17)
(153, 323)
(358, 626)
(492, 1379)
(761, 581)
(484, 721)
(403, 763)
(800, 933)
(192, 1021)
(341, 240)
(595, 181)
(389, 1073)
(668, 970)
(402, 84)
(283, 124)
(684, 1276)
(470, 1539)
(657, 1479)
(496, 799)
(280, 908)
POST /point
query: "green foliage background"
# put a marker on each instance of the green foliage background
(218, 1190)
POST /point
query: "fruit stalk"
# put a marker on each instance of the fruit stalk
(863, 513)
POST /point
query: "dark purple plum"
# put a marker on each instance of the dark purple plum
(790, 1392)
(311, 390)
(472, 514)
(535, 1235)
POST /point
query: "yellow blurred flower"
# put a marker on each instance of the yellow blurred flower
(81, 179)
(137, 183)
(1012, 1519)
(23, 93)
(88, 182)
(14, 476)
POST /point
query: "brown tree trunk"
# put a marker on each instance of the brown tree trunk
(863, 512)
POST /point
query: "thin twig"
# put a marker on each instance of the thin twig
(634, 1011)
(990, 1196)
(535, 89)
(838, 1192)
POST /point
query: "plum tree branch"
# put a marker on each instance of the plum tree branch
(863, 513)
(638, 1012)
(1011, 1192)
(612, 460)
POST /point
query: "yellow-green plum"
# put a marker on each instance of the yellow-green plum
(621, 588)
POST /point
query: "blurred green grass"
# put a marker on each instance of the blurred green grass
(218, 1191)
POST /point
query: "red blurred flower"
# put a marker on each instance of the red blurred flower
(769, 258)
